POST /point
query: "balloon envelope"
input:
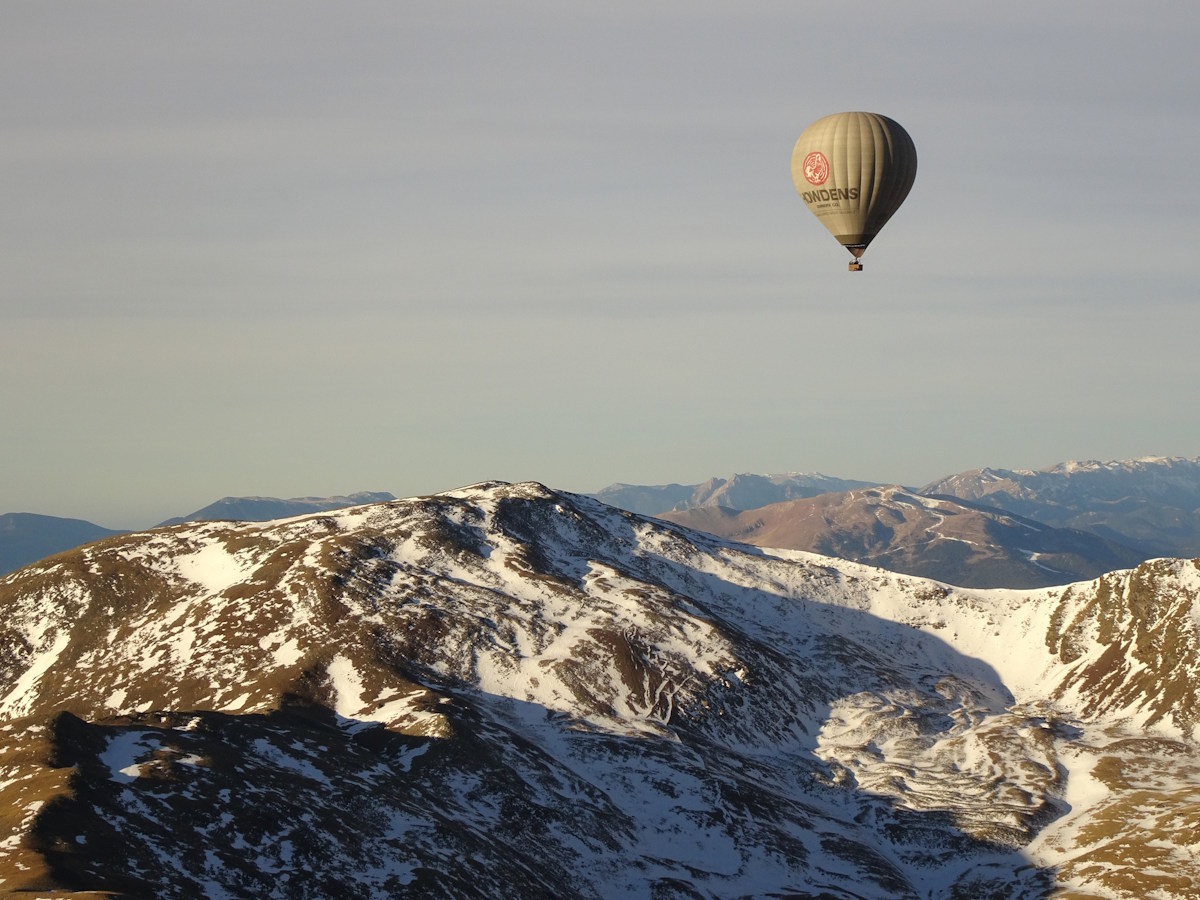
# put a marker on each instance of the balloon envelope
(853, 170)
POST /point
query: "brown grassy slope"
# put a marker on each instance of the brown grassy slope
(939, 538)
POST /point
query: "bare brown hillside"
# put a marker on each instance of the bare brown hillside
(939, 538)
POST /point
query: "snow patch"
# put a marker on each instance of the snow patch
(20, 699)
(124, 751)
(347, 687)
(212, 567)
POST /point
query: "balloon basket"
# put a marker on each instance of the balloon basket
(855, 265)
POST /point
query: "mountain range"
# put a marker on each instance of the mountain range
(981, 528)
(738, 492)
(1152, 504)
(510, 691)
(1076, 520)
(932, 536)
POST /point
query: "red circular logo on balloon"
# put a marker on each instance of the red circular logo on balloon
(816, 167)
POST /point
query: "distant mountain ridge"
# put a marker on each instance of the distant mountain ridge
(1149, 505)
(1152, 503)
(737, 492)
(27, 537)
(264, 509)
(934, 537)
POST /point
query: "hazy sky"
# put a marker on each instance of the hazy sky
(290, 248)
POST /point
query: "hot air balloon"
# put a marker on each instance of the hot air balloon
(853, 170)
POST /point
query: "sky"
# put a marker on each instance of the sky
(301, 249)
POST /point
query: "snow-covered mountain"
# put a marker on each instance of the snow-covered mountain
(511, 691)
(935, 537)
(1152, 503)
